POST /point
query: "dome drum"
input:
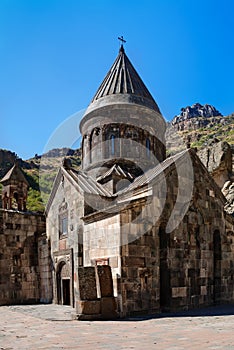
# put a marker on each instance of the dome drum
(114, 142)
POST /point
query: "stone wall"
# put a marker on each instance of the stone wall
(45, 269)
(190, 265)
(19, 257)
(199, 253)
(227, 268)
(101, 243)
(140, 279)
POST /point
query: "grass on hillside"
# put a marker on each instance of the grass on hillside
(202, 137)
(42, 178)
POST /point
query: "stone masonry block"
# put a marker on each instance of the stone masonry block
(88, 307)
(87, 283)
(113, 261)
(179, 292)
(105, 280)
(134, 261)
(108, 308)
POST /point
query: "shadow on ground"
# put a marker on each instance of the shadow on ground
(53, 312)
(218, 310)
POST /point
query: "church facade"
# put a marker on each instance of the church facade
(133, 231)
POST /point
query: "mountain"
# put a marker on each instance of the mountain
(198, 126)
(196, 112)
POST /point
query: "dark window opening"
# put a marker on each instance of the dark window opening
(63, 225)
(148, 147)
(112, 144)
(16, 196)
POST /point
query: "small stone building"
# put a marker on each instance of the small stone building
(134, 231)
(25, 264)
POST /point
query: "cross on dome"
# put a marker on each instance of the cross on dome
(122, 40)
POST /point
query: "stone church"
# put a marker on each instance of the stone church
(133, 231)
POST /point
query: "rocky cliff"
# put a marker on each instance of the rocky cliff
(203, 127)
(7, 160)
(196, 116)
(217, 157)
(62, 152)
(228, 191)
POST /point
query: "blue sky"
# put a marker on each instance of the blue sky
(55, 53)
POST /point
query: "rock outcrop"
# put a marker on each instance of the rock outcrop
(197, 116)
(217, 158)
(7, 160)
(197, 110)
(228, 191)
(62, 152)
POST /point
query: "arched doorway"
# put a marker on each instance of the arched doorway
(64, 284)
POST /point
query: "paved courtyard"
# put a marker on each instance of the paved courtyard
(53, 327)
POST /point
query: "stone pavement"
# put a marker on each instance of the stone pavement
(53, 327)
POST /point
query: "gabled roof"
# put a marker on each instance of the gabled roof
(15, 174)
(117, 171)
(88, 184)
(122, 78)
(79, 179)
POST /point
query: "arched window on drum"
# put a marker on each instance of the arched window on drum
(147, 144)
(112, 144)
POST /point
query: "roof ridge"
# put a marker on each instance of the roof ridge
(118, 170)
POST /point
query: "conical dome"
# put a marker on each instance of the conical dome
(122, 78)
(122, 86)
